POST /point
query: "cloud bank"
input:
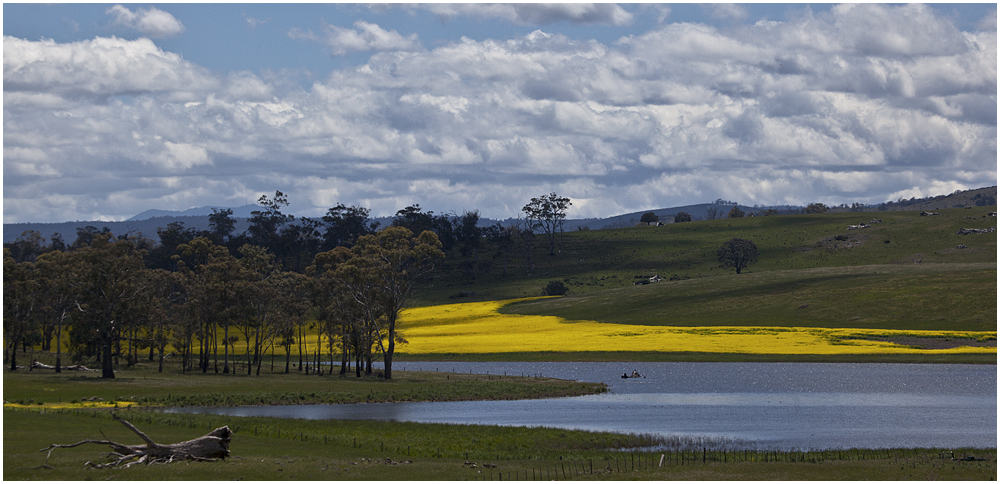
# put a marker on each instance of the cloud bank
(862, 103)
(151, 21)
(364, 37)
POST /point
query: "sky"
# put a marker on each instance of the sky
(113, 109)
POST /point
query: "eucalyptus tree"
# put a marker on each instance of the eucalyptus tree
(342, 225)
(20, 302)
(299, 243)
(255, 300)
(174, 235)
(504, 238)
(470, 237)
(221, 225)
(162, 310)
(414, 218)
(85, 236)
(737, 253)
(380, 276)
(110, 278)
(209, 273)
(291, 307)
(27, 247)
(266, 225)
(548, 214)
(337, 313)
(55, 272)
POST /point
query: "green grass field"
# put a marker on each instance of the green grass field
(597, 260)
(143, 385)
(274, 449)
(932, 296)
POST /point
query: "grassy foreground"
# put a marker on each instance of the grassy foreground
(275, 449)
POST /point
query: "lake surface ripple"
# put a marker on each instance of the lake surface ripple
(770, 406)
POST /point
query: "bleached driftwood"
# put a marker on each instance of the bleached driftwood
(209, 447)
(42, 366)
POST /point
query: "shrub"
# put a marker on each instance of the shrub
(816, 208)
(555, 288)
(682, 217)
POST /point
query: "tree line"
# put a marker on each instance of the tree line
(124, 297)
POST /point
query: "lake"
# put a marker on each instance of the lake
(769, 406)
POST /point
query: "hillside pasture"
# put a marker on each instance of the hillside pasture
(944, 297)
(595, 260)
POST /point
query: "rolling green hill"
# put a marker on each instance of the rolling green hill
(907, 272)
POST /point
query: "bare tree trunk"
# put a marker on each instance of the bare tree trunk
(13, 354)
(343, 358)
(300, 347)
(107, 371)
(215, 345)
(319, 348)
(59, 342)
(209, 447)
(225, 360)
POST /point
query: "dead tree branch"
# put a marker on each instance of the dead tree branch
(208, 448)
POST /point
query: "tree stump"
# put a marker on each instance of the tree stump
(209, 447)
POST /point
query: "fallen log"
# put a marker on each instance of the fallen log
(209, 447)
(42, 366)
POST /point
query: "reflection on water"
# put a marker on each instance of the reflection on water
(775, 405)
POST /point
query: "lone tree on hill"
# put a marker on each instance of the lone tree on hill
(735, 212)
(682, 217)
(649, 218)
(737, 253)
(548, 213)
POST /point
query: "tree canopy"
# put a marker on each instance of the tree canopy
(737, 253)
(548, 214)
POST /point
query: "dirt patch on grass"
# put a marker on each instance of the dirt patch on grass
(935, 343)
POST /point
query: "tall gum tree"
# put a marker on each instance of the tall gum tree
(381, 274)
(548, 214)
(209, 274)
(20, 297)
(111, 277)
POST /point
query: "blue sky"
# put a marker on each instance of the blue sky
(113, 109)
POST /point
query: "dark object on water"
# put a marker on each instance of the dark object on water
(635, 374)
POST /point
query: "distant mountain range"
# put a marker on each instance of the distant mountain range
(242, 212)
(147, 223)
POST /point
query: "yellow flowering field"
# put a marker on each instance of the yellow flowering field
(71, 405)
(478, 327)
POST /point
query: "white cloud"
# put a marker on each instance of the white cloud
(364, 37)
(538, 13)
(729, 11)
(255, 22)
(150, 21)
(100, 67)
